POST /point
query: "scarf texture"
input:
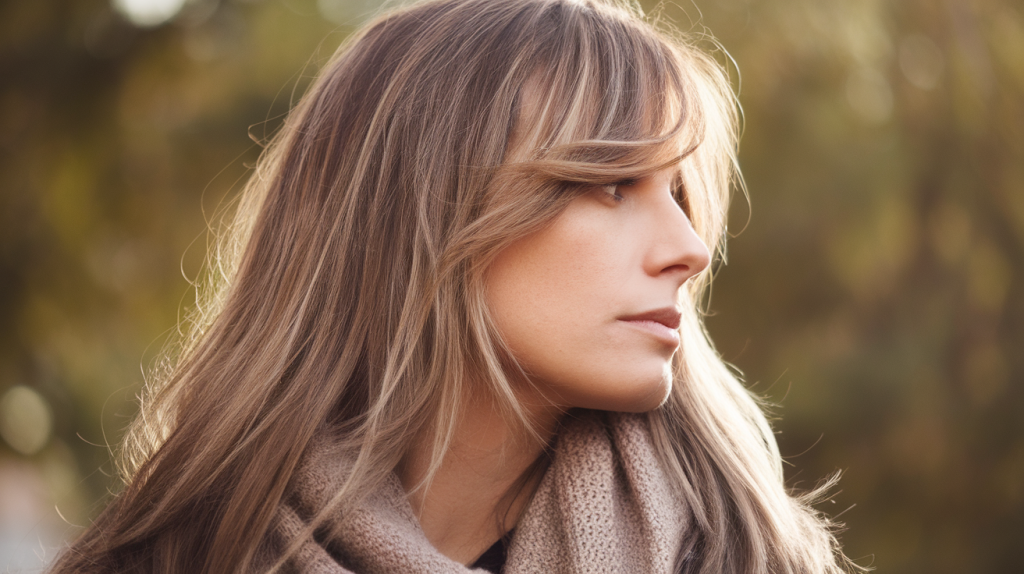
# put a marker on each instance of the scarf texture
(604, 505)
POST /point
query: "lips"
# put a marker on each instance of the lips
(662, 324)
(667, 316)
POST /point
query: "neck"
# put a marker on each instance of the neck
(472, 499)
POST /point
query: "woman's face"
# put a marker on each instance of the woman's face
(588, 304)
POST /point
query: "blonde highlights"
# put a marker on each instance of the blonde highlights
(347, 297)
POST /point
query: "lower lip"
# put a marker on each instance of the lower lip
(662, 332)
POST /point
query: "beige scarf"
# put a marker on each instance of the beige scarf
(604, 505)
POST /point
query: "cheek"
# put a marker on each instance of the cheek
(537, 291)
(550, 291)
(555, 296)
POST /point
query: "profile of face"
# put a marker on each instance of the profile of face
(588, 304)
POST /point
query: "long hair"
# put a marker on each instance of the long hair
(346, 298)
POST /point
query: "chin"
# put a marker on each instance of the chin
(641, 396)
(651, 400)
(639, 388)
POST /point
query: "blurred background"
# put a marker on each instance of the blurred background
(873, 290)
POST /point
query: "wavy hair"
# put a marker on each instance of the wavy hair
(346, 298)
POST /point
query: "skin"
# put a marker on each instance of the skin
(565, 299)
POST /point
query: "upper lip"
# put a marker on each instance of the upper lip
(667, 316)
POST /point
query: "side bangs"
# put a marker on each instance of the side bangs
(610, 101)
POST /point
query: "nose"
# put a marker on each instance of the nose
(676, 251)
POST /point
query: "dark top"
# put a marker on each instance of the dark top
(493, 559)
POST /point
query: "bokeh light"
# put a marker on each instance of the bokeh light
(149, 13)
(921, 61)
(25, 419)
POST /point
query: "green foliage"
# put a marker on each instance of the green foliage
(875, 287)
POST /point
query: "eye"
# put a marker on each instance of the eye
(682, 198)
(614, 189)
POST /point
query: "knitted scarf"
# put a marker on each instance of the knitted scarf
(604, 505)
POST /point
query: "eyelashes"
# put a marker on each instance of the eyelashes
(682, 195)
(613, 189)
(680, 192)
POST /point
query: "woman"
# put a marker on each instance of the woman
(456, 323)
